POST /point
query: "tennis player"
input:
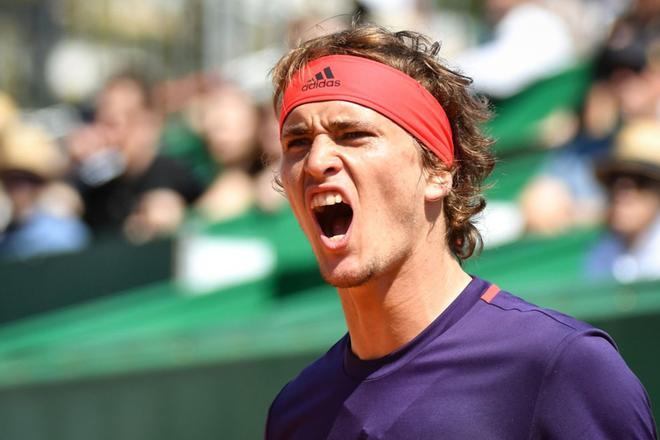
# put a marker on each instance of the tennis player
(383, 164)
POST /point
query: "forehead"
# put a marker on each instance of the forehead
(335, 113)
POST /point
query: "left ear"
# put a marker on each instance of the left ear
(438, 186)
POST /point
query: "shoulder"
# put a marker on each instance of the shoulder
(531, 12)
(165, 166)
(522, 337)
(46, 228)
(528, 15)
(328, 365)
(602, 255)
(43, 234)
(165, 162)
(586, 390)
(167, 172)
(542, 327)
(307, 389)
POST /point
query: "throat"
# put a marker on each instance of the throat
(389, 312)
(335, 220)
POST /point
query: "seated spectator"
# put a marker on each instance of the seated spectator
(630, 61)
(531, 40)
(228, 123)
(39, 222)
(627, 87)
(125, 184)
(631, 175)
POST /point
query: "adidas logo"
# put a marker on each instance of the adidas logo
(325, 78)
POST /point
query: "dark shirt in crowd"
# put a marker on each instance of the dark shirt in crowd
(107, 206)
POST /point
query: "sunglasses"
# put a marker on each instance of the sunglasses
(16, 178)
(631, 180)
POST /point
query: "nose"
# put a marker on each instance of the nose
(323, 160)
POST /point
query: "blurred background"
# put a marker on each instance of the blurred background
(154, 285)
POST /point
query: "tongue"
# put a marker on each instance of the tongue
(340, 226)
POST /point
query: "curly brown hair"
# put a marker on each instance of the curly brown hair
(415, 55)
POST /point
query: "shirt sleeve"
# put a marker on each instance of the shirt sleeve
(589, 392)
(520, 54)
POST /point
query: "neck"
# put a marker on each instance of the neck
(137, 165)
(388, 312)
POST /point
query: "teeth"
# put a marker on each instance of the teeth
(326, 199)
(337, 237)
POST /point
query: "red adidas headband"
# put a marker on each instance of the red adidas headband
(379, 87)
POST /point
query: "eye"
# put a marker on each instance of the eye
(297, 143)
(354, 135)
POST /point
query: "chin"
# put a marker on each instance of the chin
(346, 278)
(345, 282)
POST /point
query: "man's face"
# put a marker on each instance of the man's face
(119, 107)
(336, 151)
(229, 123)
(634, 204)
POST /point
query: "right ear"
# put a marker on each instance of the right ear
(438, 186)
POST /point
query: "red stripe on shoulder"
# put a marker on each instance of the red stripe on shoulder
(490, 293)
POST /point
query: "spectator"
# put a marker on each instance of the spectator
(627, 87)
(631, 175)
(531, 39)
(630, 61)
(126, 185)
(229, 122)
(29, 165)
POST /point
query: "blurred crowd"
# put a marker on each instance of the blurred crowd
(608, 169)
(114, 175)
(153, 154)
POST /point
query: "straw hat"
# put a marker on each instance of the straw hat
(29, 149)
(636, 151)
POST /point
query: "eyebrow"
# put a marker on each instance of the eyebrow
(298, 129)
(301, 128)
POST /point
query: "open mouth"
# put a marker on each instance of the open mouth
(332, 214)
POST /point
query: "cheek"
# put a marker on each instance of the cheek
(634, 209)
(397, 208)
(401, 188)
(648, 206)
(290, 176)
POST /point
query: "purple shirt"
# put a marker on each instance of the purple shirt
(487, 368)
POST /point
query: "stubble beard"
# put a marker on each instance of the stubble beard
(377, 267)
(354, 279)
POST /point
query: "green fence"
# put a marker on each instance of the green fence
(38, 285)
(159, 363)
